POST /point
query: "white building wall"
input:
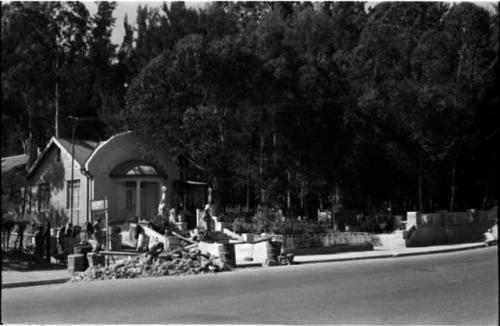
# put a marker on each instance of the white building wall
(57, 173)
(116, 150)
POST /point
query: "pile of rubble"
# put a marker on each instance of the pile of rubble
(167, 263)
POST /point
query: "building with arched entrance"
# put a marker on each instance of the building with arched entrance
(116, 170)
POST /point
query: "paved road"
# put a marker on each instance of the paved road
(451, 288)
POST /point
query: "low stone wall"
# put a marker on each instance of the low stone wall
(389, 241)
(331, 250)
(448, 228)
(437, 235)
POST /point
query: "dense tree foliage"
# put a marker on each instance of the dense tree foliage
(296, 106)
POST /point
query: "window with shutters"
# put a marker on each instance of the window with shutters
(75, 186)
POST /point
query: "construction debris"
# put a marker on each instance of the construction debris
(167, 263)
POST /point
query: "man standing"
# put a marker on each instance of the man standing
(46, 240)
(98, 233)
(21, 226)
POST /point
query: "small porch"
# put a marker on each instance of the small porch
(138, 191)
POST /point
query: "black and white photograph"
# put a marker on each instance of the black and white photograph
(250, 163)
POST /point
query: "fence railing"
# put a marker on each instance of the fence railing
(447, 218)
(326, 239)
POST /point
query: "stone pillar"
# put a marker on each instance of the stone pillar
(138, 199)
(411, 219)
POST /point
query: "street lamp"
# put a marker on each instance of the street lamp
(74, 121)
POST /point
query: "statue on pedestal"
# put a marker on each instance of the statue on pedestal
(162, 207)
(172, 216)
(209, 200)
(207, 219)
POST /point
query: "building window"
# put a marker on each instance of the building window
(43, 196)
(75, 185)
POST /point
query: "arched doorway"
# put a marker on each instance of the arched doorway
(137, 186)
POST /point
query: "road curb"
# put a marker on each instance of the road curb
(331, 260)
(34, 283)
(390, 255)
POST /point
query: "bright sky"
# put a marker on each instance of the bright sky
(129, 8)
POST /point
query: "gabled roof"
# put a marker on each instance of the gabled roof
(83, 150)
(12, 162)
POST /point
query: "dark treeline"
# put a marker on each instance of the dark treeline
(291, 105)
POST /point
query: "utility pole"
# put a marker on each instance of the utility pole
(75, 121)
(72, 182)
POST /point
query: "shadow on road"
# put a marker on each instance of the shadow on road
(14, 260)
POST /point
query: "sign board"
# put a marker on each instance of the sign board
(325, 216)
(277, 238)
(98, 205)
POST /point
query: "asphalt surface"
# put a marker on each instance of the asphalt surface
(449, 288)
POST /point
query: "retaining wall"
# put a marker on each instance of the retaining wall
(326, 240)
(389, 241)
(448, 228)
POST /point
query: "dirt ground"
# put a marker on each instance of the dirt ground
(15, 260)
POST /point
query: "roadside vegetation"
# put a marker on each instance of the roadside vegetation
(292, 106)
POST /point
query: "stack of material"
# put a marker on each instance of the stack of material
(76, 263)
(95, 259)
(175, 262)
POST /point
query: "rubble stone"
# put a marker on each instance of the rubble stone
(167, 263)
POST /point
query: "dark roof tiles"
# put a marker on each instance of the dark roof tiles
(83, 148)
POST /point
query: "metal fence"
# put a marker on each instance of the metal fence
(326, 239)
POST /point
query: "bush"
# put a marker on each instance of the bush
(240, 226)
(270, 221)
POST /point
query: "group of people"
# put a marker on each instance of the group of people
(9, 226)
(66, 238)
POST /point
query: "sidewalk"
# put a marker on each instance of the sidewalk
(381, 252)
(12, 279)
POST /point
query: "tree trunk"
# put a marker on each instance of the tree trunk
(261, 163)
(452, 195)
(248, 185)
(485, 199)
(420, 172)
(288, 196)
(461, 57)
(302, 195)
(57, 100)
(56, 122)
(337, 193)
(453, 179)
(332, 199)
(25, 191)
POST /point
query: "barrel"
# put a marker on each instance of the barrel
(95, 259)
(116, 241)
(273, 250)
(76, 263)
